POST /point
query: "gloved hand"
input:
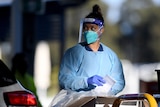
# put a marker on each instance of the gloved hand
(96, 80)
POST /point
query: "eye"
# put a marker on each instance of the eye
(93, 28)
(85, 28)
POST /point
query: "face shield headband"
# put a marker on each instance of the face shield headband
(93, 21)
(88, 20)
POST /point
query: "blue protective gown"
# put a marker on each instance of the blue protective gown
(80, 62)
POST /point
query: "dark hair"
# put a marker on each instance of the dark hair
(96, 13)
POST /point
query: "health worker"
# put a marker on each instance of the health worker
(85, 65)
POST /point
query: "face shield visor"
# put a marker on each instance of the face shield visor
(88, 20)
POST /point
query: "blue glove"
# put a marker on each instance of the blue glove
(96, 80)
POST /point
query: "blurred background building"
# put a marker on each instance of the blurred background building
(132, 30)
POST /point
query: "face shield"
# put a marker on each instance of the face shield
(88, 20)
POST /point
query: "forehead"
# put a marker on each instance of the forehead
(90, 25)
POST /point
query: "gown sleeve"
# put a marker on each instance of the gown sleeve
(68, 79)
(117, 75)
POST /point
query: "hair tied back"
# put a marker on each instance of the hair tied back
(96, 9)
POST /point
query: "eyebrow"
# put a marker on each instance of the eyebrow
(90, 25)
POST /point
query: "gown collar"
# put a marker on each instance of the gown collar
(89, 49)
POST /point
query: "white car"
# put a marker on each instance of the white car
(12, 93)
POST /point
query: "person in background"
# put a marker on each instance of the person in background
(85, 65)
(19, 68)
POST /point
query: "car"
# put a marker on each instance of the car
(12, 93)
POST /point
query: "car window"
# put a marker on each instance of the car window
(6, 76)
